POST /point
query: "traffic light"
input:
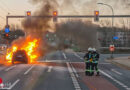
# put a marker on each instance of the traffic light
(55, 14)
(96, 16)
(6, 36)
(28, 13)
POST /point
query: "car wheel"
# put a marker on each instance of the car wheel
(12, 61)
(26, 62)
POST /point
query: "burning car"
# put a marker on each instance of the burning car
(26, 51)
(21, 56)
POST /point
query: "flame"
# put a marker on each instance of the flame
(29, 45)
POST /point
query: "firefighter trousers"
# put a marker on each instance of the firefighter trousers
(87, 71)
(95, 67)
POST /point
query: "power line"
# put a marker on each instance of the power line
(7, 9)
(3, 9)
(4, 4)
(2, 17)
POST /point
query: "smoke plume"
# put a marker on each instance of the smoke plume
(79, 33)
(38, 26)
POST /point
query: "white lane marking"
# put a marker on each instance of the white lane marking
(78, 56)
(74, 80)
(75, 71)
(28, 70)
(53, 61)
(10, 68)
(3, 68)
(84, 63)
(116, 71)
(64, 55)
(83, 58)
(118, 82)
(104, 63)
(78, 62)
(14, 84)
(49, 69)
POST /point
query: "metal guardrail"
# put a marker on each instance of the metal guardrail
(115, 47)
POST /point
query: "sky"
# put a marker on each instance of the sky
(14, 7)
(76, 7)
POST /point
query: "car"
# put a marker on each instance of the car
(20, 56)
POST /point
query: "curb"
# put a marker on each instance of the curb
(118, 64)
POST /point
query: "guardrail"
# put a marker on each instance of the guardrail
(115, 47)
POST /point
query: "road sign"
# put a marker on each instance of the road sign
(112, 48)
(1, 81)
(115, 37)
(7, 30)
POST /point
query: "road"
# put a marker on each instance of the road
(64, 71)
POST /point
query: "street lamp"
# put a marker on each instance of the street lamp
(112, 12)
(112, 21)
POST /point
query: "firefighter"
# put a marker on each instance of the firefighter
(91, 69)
(88, 57)
(95, 56)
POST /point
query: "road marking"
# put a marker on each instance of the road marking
(104, 63)
(74, 80)
(2, 68)
(14, 84)
(49, 69)
(75, 71)
(64, 55)
(52, 61)
(83, 58)
(29, 70)
(78, 56)
(10, 68)
(116, 71)
(118, 82)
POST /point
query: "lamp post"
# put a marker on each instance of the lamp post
(112, 22)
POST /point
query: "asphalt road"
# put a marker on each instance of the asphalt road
(64, 71)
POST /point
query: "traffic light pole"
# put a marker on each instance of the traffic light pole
(74, 16)
(7, 42)
(69, 16)
(6, 20)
